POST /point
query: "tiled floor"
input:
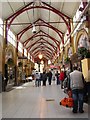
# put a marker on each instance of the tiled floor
(0, 106)
(29, 101)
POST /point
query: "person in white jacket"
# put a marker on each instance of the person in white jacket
(77, 87)
(37, 78)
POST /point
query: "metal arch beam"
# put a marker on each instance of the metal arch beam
(43, 7)
(39, 46)
(46, 35)
(56, 41)
(61, 37)
(45, 41)
(38, 36)
(57, 11)
(54, 47)
(43, 52)
(39, 41)
(38, 51)
(42, 35)
(44, 47)
(47, 25)
(45, 56)
(14, 14)
(42, 44)
(24, 30)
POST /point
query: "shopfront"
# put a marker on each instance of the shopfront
(9, 76)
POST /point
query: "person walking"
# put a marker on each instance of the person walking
(57, 78)
(44, 78)
(49, 77)
(37, 76)
(77, 87)
(61, 78)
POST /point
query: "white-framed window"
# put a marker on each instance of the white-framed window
(70, 52)
(20, 47)
(11, 38)
(84, 42)
(25, 52)
(49, 62)
(28, 55)
(1, 27)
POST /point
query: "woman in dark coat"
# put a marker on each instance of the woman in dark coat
(44, 78)
(57, 77)
(49, 77)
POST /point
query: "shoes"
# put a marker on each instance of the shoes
(74, 111)
(82, 111)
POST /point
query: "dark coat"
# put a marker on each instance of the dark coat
(49, 74)
(44, 77)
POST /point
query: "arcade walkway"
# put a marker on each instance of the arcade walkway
(28, 101)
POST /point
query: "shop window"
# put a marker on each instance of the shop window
(1, 27)
(28, 55)
(25, 52)
(20, 47)
(84, 42)
(11, 38)
(70, 52)
(1, 31)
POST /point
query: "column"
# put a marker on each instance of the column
(4, 66)
(16, 66)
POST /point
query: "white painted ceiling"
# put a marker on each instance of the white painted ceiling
(9, 7)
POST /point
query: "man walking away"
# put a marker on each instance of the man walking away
(44, 78)
(77, 85)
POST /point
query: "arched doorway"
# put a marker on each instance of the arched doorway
(9, 68)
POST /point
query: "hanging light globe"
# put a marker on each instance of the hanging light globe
(40, 56)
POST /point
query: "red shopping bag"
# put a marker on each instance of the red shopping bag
(67, 102)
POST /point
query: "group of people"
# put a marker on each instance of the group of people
(42, 77)
(75, 83)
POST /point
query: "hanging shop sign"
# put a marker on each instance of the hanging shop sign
(22, 57)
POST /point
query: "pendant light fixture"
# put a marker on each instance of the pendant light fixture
(33, 29)
(40, 56)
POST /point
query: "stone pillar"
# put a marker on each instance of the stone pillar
(16, 66)
(4, 67)
(70, 21)
(23, 60)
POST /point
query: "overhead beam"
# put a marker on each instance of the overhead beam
(20, 34)
(46, 35)
(40, 46)
(47, 7)
(40, 41)
(44, 53)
